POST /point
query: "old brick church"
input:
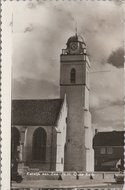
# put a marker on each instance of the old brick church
(56, 134)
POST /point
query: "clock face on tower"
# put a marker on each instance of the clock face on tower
(73, 46)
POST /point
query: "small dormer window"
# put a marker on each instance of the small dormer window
(73, 76)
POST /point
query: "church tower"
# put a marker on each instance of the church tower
(74, 82)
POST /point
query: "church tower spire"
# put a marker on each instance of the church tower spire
(74, 82)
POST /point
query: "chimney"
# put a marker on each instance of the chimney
(96, 131)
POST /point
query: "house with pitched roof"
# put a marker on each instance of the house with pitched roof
(109, 151)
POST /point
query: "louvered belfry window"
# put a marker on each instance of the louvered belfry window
(73, 75)
(39, 145)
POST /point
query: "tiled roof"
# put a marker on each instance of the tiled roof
(114, 138)
(36, 112)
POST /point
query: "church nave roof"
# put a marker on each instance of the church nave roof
(36, 112)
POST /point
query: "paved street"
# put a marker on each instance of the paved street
(111, 186)
(65, 184)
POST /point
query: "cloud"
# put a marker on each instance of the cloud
(111, 117)
(118, 2)
(54, 23)
(107, 98)
(29, 28)
(31, 5)
(34, 4)
(117, 58)
(107, 87)
(36, 61)
(42, 89)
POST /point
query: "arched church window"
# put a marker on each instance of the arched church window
(15, 142)
(73, 76)
(39, 145)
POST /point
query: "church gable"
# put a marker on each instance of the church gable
(36, 112)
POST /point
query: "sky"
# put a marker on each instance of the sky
(40, 31)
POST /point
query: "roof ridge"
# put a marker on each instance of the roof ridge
(110, 131)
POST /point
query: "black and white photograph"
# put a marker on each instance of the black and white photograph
(67, 94)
